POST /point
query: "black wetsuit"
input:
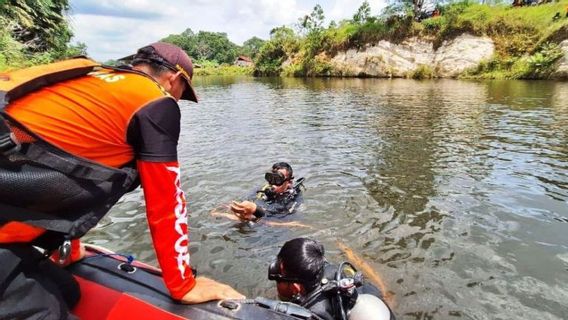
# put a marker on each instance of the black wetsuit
(269, 203)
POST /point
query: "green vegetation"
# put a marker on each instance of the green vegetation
(525, 38)
(214, 52)
(283, 44)
(211, 68)
(422, 72)
(536, 66)
(205, 46)
(34, 32)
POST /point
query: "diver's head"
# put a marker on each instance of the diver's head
(281, 177)
(298, 268)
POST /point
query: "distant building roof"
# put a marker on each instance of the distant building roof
(244, 58)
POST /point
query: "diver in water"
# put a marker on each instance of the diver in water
(304, 277)
(279, 197)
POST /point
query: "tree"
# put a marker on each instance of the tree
(284, 38)
(252, 46)
(205, 45)
(78, 49)
(35, 31)
(186, 40)
(402, 7)
(312, 23)
(283, 42)
(39, 26)
(282, 32)
(417, 8)
(215, 46)
(363, 13)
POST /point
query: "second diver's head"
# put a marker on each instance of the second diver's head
(298, 268)
(281, 177)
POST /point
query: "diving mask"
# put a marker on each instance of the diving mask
(276, 178)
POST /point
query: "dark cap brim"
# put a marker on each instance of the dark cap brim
(127, 58)
(189, 93)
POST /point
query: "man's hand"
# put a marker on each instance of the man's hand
(244, 210)
(207, 289)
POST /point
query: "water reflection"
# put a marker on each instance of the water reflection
(455, 191)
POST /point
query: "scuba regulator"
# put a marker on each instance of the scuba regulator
(342, 289)
(347, 302)
(348, 279)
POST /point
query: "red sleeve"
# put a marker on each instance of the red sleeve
(167, 218)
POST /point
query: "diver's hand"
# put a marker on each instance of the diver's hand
(244, 210)
(207, 289)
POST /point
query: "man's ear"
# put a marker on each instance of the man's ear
(166, 80)
(173, 77)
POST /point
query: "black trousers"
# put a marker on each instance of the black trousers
(33, 287)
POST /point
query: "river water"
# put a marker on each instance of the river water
(455, 192)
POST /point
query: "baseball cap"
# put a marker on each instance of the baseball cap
(176, 59)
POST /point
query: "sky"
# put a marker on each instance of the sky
(113, 29)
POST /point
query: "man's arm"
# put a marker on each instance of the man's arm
(167, 219)
(154, 132)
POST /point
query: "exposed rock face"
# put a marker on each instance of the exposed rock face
(562, 66)
(386, 59)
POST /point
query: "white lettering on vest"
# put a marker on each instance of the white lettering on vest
(181, 245)
(106, 76)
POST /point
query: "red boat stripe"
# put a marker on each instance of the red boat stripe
(96, 300)
(129, 307)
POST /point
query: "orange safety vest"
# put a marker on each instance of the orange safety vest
(64, 159)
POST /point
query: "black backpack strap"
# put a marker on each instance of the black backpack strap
(7, 143)
(72, 165)
(3, 99)
(58, 159)
(34, 218)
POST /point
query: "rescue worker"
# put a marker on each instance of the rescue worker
(278, 197)
(68, 151)
(303, 276)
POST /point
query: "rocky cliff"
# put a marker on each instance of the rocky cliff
(386, 59)
(562, 65)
